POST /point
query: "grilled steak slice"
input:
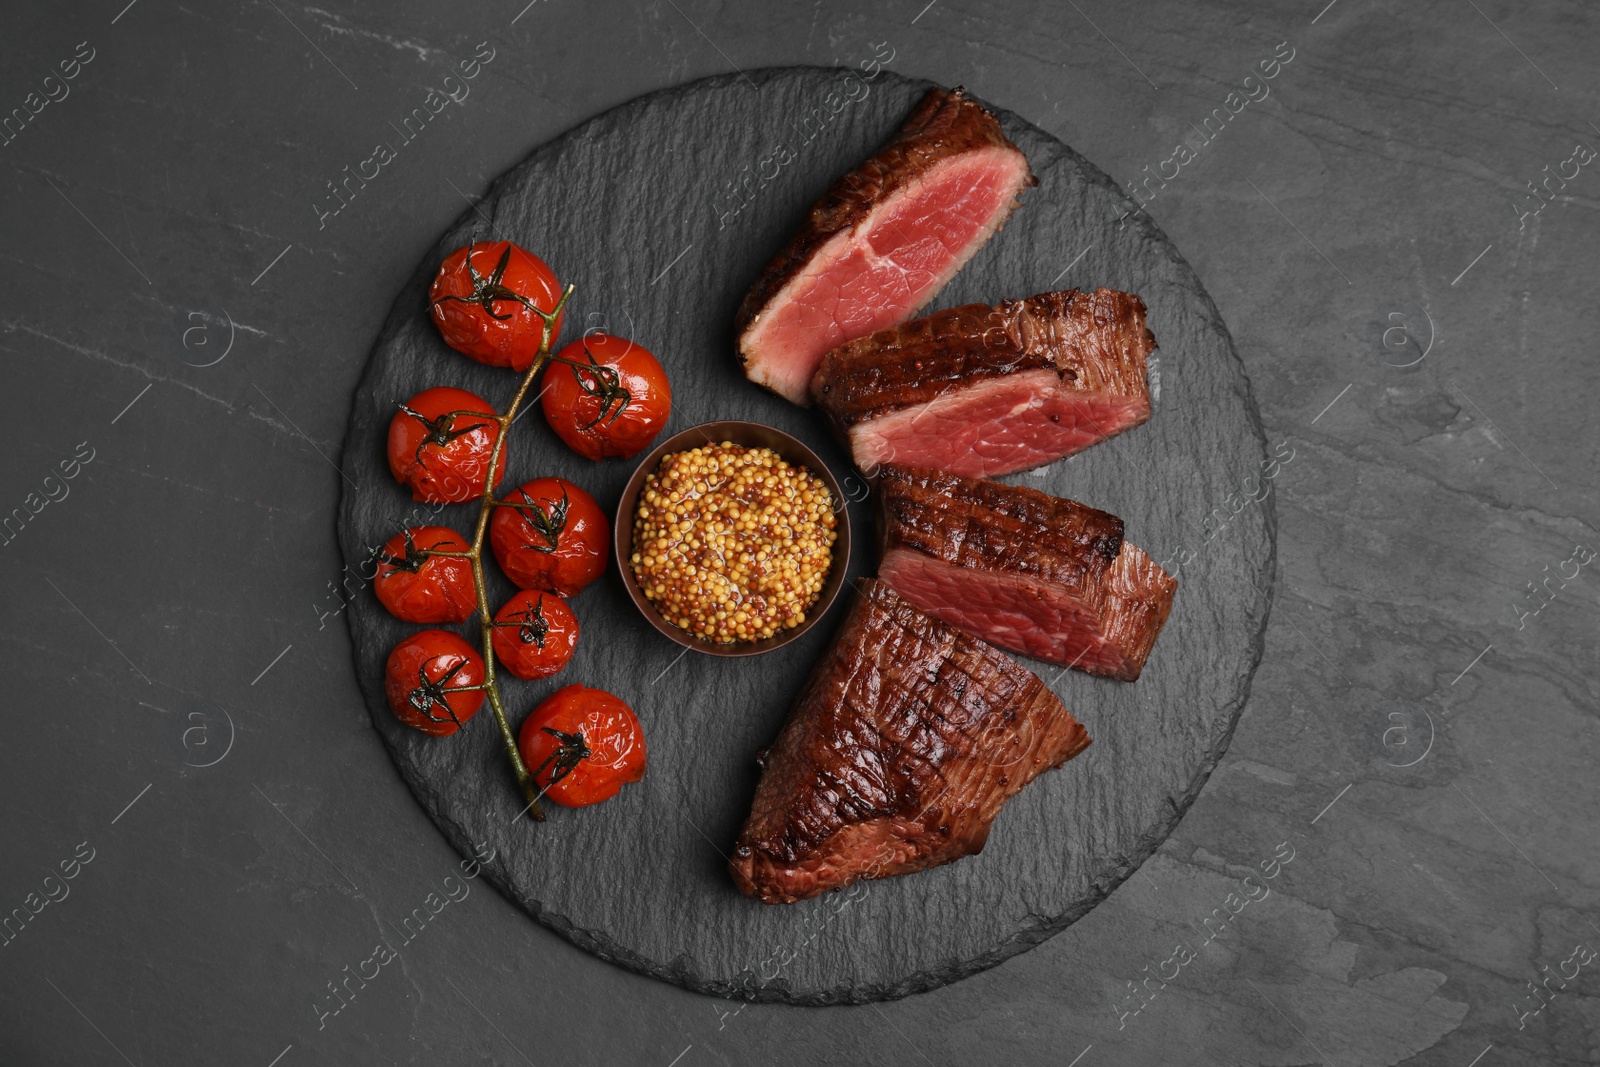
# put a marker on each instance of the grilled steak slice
(1034, 573)
(905, 742)
(882, 241)
(984, 391)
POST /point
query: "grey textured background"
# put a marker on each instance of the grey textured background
(197, 545)
(643, 879)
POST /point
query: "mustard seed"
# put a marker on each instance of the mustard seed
(763, 528)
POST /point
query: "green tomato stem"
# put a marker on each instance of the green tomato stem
(487, 503)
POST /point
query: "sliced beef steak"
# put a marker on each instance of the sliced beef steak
(1034, 573)
(905, 742)
(984, 391)
(882, 241)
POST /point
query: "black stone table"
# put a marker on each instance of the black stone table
(207, 841)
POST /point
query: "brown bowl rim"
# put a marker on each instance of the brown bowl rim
(751, 435)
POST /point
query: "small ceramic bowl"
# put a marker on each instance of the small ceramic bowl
(750, 435)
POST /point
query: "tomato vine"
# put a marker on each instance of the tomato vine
(474, 553)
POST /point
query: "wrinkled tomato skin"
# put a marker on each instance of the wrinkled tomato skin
(451, 472)
(583, 542)
(610, 730)
(441, 588)
(527, 648)
(466, 327)
(435, 653)
(584, 419)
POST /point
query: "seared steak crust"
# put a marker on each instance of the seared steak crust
(1024, 570)
(904, 743)
(945, 123)
(1096, 342)
(984, 525)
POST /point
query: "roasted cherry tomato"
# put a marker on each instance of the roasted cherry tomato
(535, 634)
(483, 301)
(423, 673)
(419, 587)
(439, 445)
(582, 746)
(549, 534)
(606, 396)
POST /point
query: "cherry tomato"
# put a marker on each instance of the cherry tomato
(420, 679)
(440, 443)
(417, 587)
(483, 299)
(550, 535)
(606, 396)
(535, 634)
(582, 746)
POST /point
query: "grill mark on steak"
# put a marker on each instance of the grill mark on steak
(1024, 570)
(973, 523)
(1098, 342)
(905, 742)
(899, 392)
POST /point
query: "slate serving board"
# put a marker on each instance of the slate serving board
(634, 208)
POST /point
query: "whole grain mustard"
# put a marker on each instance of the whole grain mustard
(733, 543)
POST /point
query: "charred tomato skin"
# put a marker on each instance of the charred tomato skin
(534, 634)
(429, 589)
(419, 679)
(469, 328)
(558, 548)
(609, 731)
(606, 396)
(440, 447)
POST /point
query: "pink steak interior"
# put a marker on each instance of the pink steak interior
(883, 271)
(1111, 638)
(996, 426)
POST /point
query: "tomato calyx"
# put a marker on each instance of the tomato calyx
(442, 430)
(430, 694)
(533, 628)
(412, 561)
(604, 383)
(548, 525)
(486, 291)
(571, 750)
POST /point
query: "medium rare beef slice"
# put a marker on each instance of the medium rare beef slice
(1048, 577)
(985, 391)
(881, 242)
(905, 741)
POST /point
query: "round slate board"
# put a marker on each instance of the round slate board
(637, 208)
